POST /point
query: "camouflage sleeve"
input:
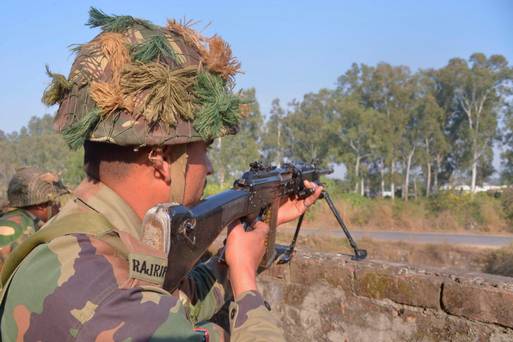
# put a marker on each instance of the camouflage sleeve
(14, 229)
(251, 319)
(76, 287)
(205, 290)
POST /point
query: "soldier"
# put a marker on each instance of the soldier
(33, 198)
(145, 102)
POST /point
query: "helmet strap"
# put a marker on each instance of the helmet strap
(178, 170)
(50, 211)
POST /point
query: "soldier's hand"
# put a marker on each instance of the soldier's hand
(293, 208)
(243, 253)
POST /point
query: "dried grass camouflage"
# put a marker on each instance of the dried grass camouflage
(140, 84)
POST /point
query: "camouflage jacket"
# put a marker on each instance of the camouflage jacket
(79, 287)
(15, 227)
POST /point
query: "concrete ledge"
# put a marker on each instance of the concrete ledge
(410, 289)
(484, 304)
(328, 297)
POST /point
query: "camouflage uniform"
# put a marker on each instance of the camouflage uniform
(15, 227)
(76, 278)
(29, 186)
(90, 295)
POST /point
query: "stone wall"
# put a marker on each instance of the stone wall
(328, 297)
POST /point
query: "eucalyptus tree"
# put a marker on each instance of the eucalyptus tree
(354, 131)
(406, 123)
(356, 89)
(431, 122)
(354, 124)
(384, 91)
(507, 143)
(479, 88)
(308, 128)
(273, 137)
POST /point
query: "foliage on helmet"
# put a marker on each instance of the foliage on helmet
(138, 83)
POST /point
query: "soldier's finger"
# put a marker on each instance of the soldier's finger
(310, 200)
(261, 227)
(309, 185)
(233, 225)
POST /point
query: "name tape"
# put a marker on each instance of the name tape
(148, 268)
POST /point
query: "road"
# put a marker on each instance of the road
(477, 240)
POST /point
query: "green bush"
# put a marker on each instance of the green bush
(507, 204)
(449, 200)
(479, 211)
(356, 200)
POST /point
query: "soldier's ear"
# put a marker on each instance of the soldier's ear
(158, 161)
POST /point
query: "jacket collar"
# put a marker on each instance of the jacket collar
(107, 202)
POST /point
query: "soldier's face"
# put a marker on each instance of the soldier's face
(198, 167)
(45, 211)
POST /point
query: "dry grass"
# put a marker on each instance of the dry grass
(500, 262)
(445, 220)
(439, 256)
(450, 213)
(381, 217)
(493, 217)
(442, 256)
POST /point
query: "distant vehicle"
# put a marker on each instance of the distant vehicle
(386, 194)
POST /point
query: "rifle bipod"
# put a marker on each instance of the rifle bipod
(285, 253)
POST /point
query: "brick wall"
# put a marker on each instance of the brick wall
(328, 297)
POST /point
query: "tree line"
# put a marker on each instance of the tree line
(390, 127)
(36, 144)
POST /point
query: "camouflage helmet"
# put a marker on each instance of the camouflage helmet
(137, 83)
(31, 186)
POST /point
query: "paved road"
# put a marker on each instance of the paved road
(481, 240)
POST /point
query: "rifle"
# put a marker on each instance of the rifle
(256, 195)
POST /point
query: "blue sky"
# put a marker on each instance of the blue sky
(286, 49)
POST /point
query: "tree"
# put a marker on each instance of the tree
(507, 140)
(273, 138)
(407, 123)
(354, 123)
(386, 91)
(354, 126)
(431, 122)
(383, 89)
(308, 132)
(38, 145)
(478, 89)
(232, 154)
(434, 141)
